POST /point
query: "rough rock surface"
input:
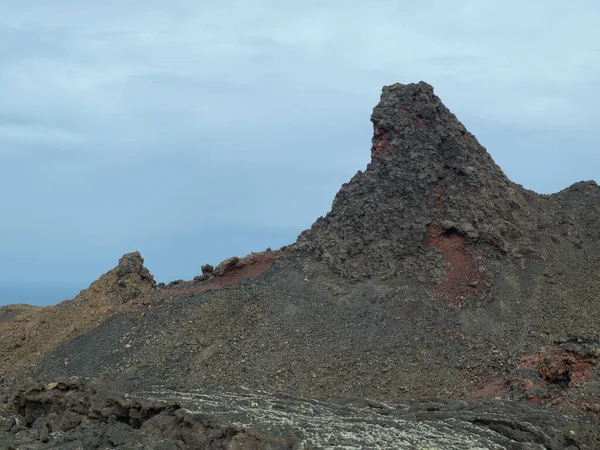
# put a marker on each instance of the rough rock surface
(75, 414)
(9, 312)
(428, 179)
(432, 276)
(78, 414)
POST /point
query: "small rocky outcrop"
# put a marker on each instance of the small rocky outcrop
(226, 266)
(566, 372)
(128, 281)
(208, 271)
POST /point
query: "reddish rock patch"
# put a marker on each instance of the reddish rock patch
(250, 266)
(556, 365)
(566, 368)
(559, 376)
(381, 140)
(230, 272)
(408, 310)
(464, 277)
(420, 119)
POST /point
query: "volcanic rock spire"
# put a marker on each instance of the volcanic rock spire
(428, 177)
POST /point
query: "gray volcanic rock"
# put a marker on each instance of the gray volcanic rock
(77, 414)
(428, 176)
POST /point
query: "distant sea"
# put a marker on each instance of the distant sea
(39, 294)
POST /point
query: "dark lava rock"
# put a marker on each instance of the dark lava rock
(207, 269)
(77, 414)
(226, 266)
(428, 177)
(93, 415)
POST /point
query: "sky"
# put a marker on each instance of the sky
(194, 131)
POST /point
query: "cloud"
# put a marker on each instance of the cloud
(126, 60)
(18, 133)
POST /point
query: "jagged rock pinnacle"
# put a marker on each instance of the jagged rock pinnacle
(126, 282)
(428, 176)
(133, 264)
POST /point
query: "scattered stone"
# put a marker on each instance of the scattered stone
(226, 266)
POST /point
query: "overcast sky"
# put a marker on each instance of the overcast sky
(197, 130)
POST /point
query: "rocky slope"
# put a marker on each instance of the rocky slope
(432, 276)
(34, 331)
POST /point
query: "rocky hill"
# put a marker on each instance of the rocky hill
(433, 276)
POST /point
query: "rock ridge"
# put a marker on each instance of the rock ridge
(429, 178)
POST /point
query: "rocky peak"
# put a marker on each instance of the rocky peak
(126, 282)
(428, 177)
(132, 265)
